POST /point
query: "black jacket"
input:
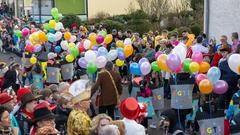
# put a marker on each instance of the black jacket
(61, 119)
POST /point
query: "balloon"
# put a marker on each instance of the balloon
(214, 74)
(157, 54)
(204, 67)
(220, 87)
(190, 39)
(121, 56)
(102, 51)
(119, 50)
(70, 45)
(67, 35)
(92, 37)
(145, 68)
(73, 38)
(197, 57)
(25, 32)
(194, 67)
(101, 61)
(74, 51)
(57, 49)
(82, 62)
(58, 26)
(186, 64)
(119, 62)
(18, 33)
(128, 50)
(205, 86)
(102, 33)
(33, 30)
(180, 68)
(57, 17)
(86, 44)
(112, 55)
(142, 60)
(51, 37)
(180, 51)
(54, 11)
(155, 66)
(64, 44)
(58, 35)
(135, 69)
(108, 38)
(46, 26)
(234, 63)
(52, 31)
(42, 37)
(99, 39)
(161, 61)
(94, 48)
(91, 67)
(173, 62)
(69, 58)
(90, 56)
(52, 24)
(33, 60)
(200, 77)
(37, 48)
(127, 41)
(29, 48)
(120, 44)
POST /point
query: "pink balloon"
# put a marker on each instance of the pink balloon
(100, 39)
(82, 62)
(157, 54)
(145, 68)
(197, 57)
(220, 87)
(25, 31)
(142, 60)
(173, 62)
(200, 77)
(33, 30)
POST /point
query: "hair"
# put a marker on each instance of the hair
(2, 110)
(164, 31)
(109, 130)
(121, 126)
(238, 49)
(185, 38)
(224, 36)
(53, 88)
(235, 35)
(109, 66)
(204, 35)
(175, 35)
(98, 118)
(45, 93)
(62, 101)
(199, 39)
(63, 86)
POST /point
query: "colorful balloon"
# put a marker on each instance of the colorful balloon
(220, 87)
(200, 77)
(142, 60)
(90, 56)
(99, 39)
(33, 60)
(135, 69)
(73, 38)
(37, 48)
(102, 51)
(127, 41)
(86, 44)
(52, 24)
(204, 67)
(101, 62)
(173, 62)
(69, 58)
(108, 39)
(194, 67)
(186, 64)
(18, 33)
(145, 68)
(82, 62)
(128, 50)
(51, 37)
(102, 33)
(74, 51)
(157, 54)
(67, 35)
(33, 30)
(42, 37)
(205, 86)
(29, 48)
(25, 32)
(64, 45)
(91, 67)
(120, 44)
(197, 57)
(57, 49)
(112, 55)
(121, 56)
(54, 11)
(214, 74)
(92, 37)
(234, 63)
(180, 51)
(161, 61)
(119, 62)
(70, 45)
(58, 35)
(46, 26)
(155, 67)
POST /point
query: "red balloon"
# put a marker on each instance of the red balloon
(180, 68)
(33, 30)
(29, 48)
(200, 77)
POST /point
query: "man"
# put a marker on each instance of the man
(5, 123)
(223, 44)
(198, 47)
(109, 82)
(235, 41)
(25, 115)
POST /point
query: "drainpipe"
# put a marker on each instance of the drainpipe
(40, 10)
(206, 16)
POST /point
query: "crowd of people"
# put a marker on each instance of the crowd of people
(42, 100)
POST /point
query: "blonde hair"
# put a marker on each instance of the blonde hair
(121, 126)
(98, 118)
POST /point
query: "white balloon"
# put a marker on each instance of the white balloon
(58, 35)
(58, 26)
(64, 44)
(73, 38)
(181, 51)
(112, 55)
(127, 41)
(90, 56)
(101, 61)
(234, 63)
(87, 44)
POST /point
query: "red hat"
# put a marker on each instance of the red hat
(21, 92)
(45, 104)
(4, 98)
(130, 108)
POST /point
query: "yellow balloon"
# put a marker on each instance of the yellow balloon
(120, 44)
(162, 64)
(108, 38)
(194, 67)
(42, 37)
(70, 45)
(69, 58)
(33, 60)
(119, 62)
(52, 24)
(128, 50)
(92, 37)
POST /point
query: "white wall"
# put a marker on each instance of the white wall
(224, 18)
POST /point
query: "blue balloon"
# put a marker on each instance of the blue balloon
(119, 50)
(57, 49)
(51, 37)
(102, 51)
(52, 31)
(135, 69)
(214, 74)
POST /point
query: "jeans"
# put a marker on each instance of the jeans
(108, 109)
(29, 77)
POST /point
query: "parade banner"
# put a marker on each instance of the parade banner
(214, 126)
(134, 92)
(38, 81)
(181, 96)
(148, 102)
(67, 71)
(53, 75)
(158, 98)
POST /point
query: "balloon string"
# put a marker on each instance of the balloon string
(209, 103)
(178, 110)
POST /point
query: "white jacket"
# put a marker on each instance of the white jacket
(133, 128)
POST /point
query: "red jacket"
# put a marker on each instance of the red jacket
(216, 58)
(226, 127)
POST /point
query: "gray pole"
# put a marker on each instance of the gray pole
(40, 10)
(206, 17)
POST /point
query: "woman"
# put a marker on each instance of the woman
(149, 52)
(98, 122)
(37, 76)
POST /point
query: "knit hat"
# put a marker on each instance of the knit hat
(4, 98)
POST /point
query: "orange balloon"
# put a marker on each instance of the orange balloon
(108, 39)
(92, 37)
(190, 40)
(67, 35)
(205, 86)
(204, 67)
(161, 61)
(42, 37)
(128, 50)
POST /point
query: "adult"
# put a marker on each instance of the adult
(235, 40)
(223, 43)
(130, 110)
(109, 82)
(198, 47)
(98, 122)
(109, 130)
(149, 52)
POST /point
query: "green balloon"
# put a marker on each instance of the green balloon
(18, 33)
(155, 67)
(186, 64)
(91, 68)
(46, 26)
(74, 51)
(54, 11)
(103, 33)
